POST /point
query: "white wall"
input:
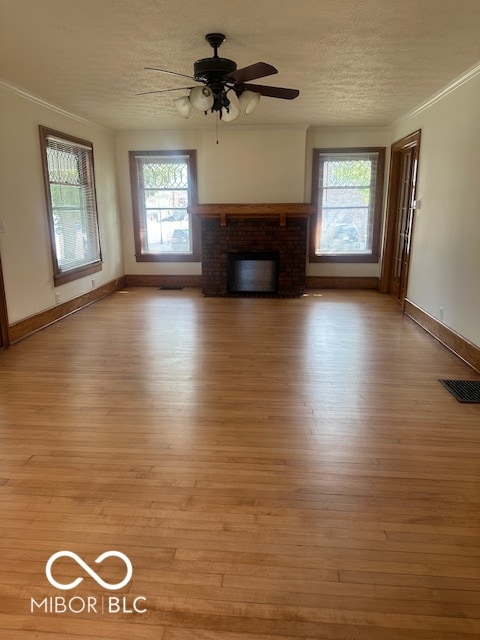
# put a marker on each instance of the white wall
(248, 164)
(252, 164)
(333, 137)
(445, 254)
(24, 246)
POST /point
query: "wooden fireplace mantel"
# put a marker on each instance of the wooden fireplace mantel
(260, 210)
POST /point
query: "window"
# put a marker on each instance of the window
(163, 186)
(71, 205)
(347, 190)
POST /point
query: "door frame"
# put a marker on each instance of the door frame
(411, 141)
(4, 326)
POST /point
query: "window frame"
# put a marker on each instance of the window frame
(316, 219)
(138, 210)
(62, 275)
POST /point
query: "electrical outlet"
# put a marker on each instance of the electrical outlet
(57, 298)
(93, 283)
(440, 314)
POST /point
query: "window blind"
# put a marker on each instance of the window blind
(72, 203)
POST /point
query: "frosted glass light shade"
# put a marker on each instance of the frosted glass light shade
(184, 106)
(249, 101)
(232, 113)
(233, 108)
(201, 98)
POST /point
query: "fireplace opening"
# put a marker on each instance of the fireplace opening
(252, 272)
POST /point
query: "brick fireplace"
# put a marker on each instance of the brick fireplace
(254, 232)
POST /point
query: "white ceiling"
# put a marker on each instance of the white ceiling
(356, 62)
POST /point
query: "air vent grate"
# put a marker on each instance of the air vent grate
(463, 390)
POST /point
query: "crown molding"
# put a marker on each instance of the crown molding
(468, 75)
(23, 93)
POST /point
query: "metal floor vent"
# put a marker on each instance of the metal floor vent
(463, 390)
(171, 287)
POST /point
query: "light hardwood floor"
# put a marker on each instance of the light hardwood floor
(273, 469)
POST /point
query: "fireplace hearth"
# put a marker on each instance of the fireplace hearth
(257, 249)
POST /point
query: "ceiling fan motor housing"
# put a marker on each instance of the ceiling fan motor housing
(212, 70)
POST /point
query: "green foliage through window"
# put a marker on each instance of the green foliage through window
(347, 221)
(163, 226)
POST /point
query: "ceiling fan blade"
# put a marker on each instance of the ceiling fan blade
(173, 73)
(252, 72)
(272, 92)
(145, 93)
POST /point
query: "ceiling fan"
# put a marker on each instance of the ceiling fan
(224, 89)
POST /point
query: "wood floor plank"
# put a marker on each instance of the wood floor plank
(273, 470)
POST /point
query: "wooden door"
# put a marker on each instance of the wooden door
(400, 215)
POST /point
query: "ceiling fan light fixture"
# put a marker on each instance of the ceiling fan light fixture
(230, 113)
(183, 106)
(230, 106)
(226, 90)
(202, 98)
(249, 101)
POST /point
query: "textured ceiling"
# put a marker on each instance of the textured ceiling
(356, 62)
